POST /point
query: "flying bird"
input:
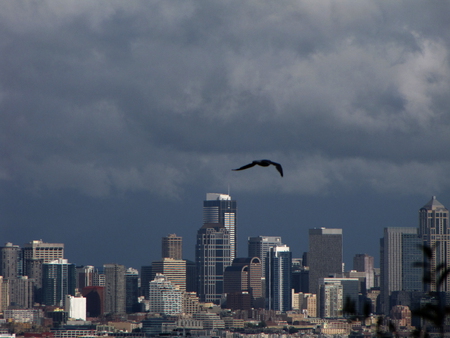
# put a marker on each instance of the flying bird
(262, 163)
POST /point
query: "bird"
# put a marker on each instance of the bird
(262, 163)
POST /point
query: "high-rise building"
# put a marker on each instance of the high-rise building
(173, 269)
(165, 297)
(365, 263)
(85, 276)
(243, 278)
(220, 208)
(325, 255)
(18, 292)
(94, 300)
(115, 289)
(278, 278)
(172, 247)
(259, 247)
(331, 298)
(435, 234)
(36, 253)
(10, 260)
(212, 256)
(58, 281)
(398, 253)
(132, 290)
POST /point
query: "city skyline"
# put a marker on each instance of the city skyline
(189, 248)
(116, 119)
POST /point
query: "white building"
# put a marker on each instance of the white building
(76, 307)
(165, 297)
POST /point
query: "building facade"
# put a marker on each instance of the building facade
(220, 208)
(259, 247)
(10, 260)
(58, 281)
(172, 247)
(325, 255)
(398, 253)
(115, 289)
(165, 297)
(212, 256)
(434, 232)
(173, 269)
(278, 278)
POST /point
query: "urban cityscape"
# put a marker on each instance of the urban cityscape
(265, 293)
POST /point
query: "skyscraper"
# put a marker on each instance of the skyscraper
(9, 260)
(115, 289)
(132, 290)
(172, 247)
(434, 232)
(173, 269)
(220, 208)
(398, 253)
(212, 256)
(58, 281)
(259, 247)
(242, 278)
(325, 255)
(365, 263)
(278, 279)
(36, 253)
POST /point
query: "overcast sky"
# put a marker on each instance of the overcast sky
(117, 117)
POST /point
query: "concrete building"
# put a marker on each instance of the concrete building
(305, 302)
(325, 256)
(173, 269)
(172, 247)
(75, 307)
(220, 208)
(18, 292)
(165, 297)
(36, 253)
(10, 260)
(115, 290)
(331, 299)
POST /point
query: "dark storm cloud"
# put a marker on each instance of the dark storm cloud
(111, 96)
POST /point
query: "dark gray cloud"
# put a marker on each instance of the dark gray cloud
(110, 98)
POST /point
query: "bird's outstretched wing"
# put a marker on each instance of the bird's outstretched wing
(246, 166)
(279, 167)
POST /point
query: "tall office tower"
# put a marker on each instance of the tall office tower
(58, 281)
(365, 263)
(278, 278)
(398, 253)
(132, 290)
(259, 247)
(165, 297)
(9, 260)
(243, 280)
(173, 269)
(172, 247)
(325, 255)
(220, 208)
(212, 256)
(114, 291)
(433, 230)
(36, 253)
